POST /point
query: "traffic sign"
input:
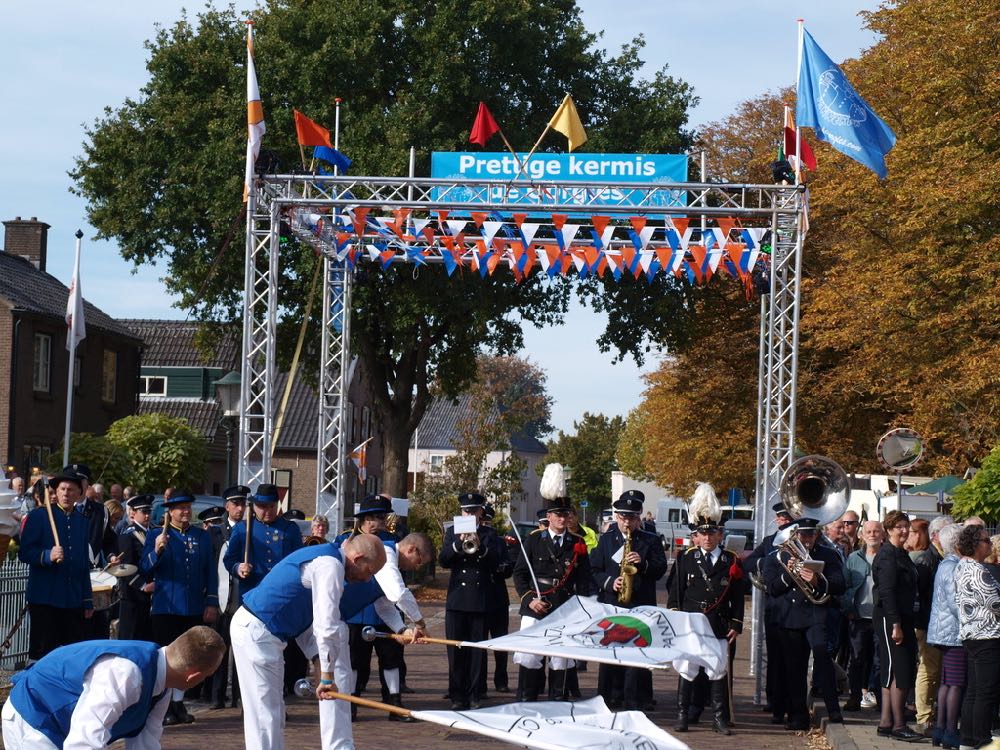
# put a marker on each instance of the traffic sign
(584, 504)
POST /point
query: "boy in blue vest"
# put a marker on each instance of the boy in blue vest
(92, 693)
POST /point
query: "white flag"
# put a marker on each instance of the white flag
(255, 117)
(584, 725)
(649, 637)
(74, 309)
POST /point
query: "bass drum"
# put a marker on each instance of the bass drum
(105, 588)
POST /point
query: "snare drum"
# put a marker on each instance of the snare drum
(105, 588)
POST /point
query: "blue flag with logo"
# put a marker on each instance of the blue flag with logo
(829, 105)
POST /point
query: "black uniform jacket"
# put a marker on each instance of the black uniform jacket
(560, 575)
(130, 544)
(471, 582)
(651, 568)
(791, 608)
(895, 585)
(715, 590)
(754, 565)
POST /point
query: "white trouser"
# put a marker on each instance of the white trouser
(18, 734)
(335, 716)
(261, 668)
(534, 661)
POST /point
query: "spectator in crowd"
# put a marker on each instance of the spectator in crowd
(857, 605)
(943, 633)
(895, 585)
(96, 492)
(588, 534)
(129, 492)
(927, 556)
(852, 531)
(116, 494)
(979, 628)
(319, 527)
(24, 501)
(648, 524)
(116, 513)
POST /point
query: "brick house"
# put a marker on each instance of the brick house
(33, 333)
(178, 379)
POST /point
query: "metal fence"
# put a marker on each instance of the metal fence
(13, 582)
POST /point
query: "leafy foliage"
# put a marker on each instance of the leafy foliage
(590, 453)
(980, 496)
(165, 451)
(161, 174)
(108, 463)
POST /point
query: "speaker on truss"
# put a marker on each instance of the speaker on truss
(268, 162)
(781, 171)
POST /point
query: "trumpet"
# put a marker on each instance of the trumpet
(470, 543)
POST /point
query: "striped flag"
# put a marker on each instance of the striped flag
(360, 458)
(255, 116)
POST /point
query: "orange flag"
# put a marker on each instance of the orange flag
(311, 133)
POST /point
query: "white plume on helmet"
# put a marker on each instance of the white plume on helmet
(553, 483)
(703, 507)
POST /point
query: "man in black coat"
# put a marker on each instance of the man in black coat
(803, 623)
(467, 605)
(630, 687)
(559, 560)
(134, 621)
(708, 579)
(753, 566)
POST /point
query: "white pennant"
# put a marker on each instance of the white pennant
(490, 229)
(419, 225)
(714, 256)
(645, 259)
(606, 235)
(646, 235)
(373, 252)
(529, 231)
(569, 233)
(456, 226)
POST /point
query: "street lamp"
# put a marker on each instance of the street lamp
(227, 391)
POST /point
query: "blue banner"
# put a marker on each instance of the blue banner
(828, 104)
(609, 169)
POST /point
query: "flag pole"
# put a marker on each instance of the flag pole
(534, 148)
(336, 130)
(74, 327)
(798, 133)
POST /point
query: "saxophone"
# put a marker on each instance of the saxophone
(627, 571)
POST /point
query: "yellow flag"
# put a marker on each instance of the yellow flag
(567, 122)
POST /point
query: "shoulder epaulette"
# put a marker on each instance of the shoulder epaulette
(536, 531)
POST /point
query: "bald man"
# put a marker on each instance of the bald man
(301, 598)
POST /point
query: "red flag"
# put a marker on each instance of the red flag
(808, 157)
(311, 133)
(484, 128)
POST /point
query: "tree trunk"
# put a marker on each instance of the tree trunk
(395, 452)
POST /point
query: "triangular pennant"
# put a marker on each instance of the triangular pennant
(735, 251)
(529, 231)
(401, 214)
(568, 233)
(698, 252)
(456, 226)
(680, 223)
(602, 266)
(360, 217)
(449, 262)
(558, 220)
(491, 262)
(428, 233)
(645, 260)
(638, 223)
(726, 225)
(600, 224)
(664, 254)
(442, 216)
(714, 256)
(646, 234)
(490, 229)
(387, 256)
(419, 225)
(479, 217)
(651, 271)
(519, 219)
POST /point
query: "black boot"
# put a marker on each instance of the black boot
(720, 707)
(684, 691)
(182, 713)
(396, 700)
(557, 684)
(573, 683)
(354, 712)
(522, 679)
(170, 717)
(532, 683)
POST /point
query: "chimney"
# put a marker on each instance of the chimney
(29, 239)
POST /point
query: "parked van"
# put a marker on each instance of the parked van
(672, 523)
(738, 519)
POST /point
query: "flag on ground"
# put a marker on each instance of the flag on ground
(558, 725)
(360, 458)
(310, 133)
(648, 637)
(485, 127)
(74, 309)
(808, 157)
(255, 117)
(829, 104)
(567, 121)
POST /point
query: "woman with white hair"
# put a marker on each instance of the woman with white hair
(943, 633)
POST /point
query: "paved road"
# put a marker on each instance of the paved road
(428, 672)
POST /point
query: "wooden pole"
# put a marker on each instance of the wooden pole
(371, 704)
(52, 518)
(531, 153)
(405, 641)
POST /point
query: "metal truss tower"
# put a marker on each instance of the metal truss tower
(331, 212)
(777, 388)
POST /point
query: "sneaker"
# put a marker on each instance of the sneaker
(868, 699)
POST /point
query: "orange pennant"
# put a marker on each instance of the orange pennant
(664, 254)
(735, 251)
(590, 254)
(638, 223)
(442, 216)
(428, 233)
(491, 264)
(401, 214)
(628, 255)
(600, 224)
(726, 225)
(681, 224)
(696, 268)
(602, 266)
(519, 219)
(698, 252)
(360, 217)
(552, 252)
(558, 220)
(479, 217)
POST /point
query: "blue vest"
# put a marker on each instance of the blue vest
(46, 693)
(281, 602)
(270, 543)
(357, 605)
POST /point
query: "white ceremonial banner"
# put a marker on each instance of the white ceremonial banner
(648, 637)
(558, 725)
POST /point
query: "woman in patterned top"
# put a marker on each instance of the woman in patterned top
(979, 628)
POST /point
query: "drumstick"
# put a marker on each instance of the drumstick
(52, 518)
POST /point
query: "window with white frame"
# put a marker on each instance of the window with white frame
(435, 464)
(153, 386)
(109, 380)
(42, 368)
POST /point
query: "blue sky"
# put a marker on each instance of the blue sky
(65, 62)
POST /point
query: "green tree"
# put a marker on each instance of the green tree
(161, 178)
(165, 451)
(108, 463)
(590, 453)
(980, 496)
